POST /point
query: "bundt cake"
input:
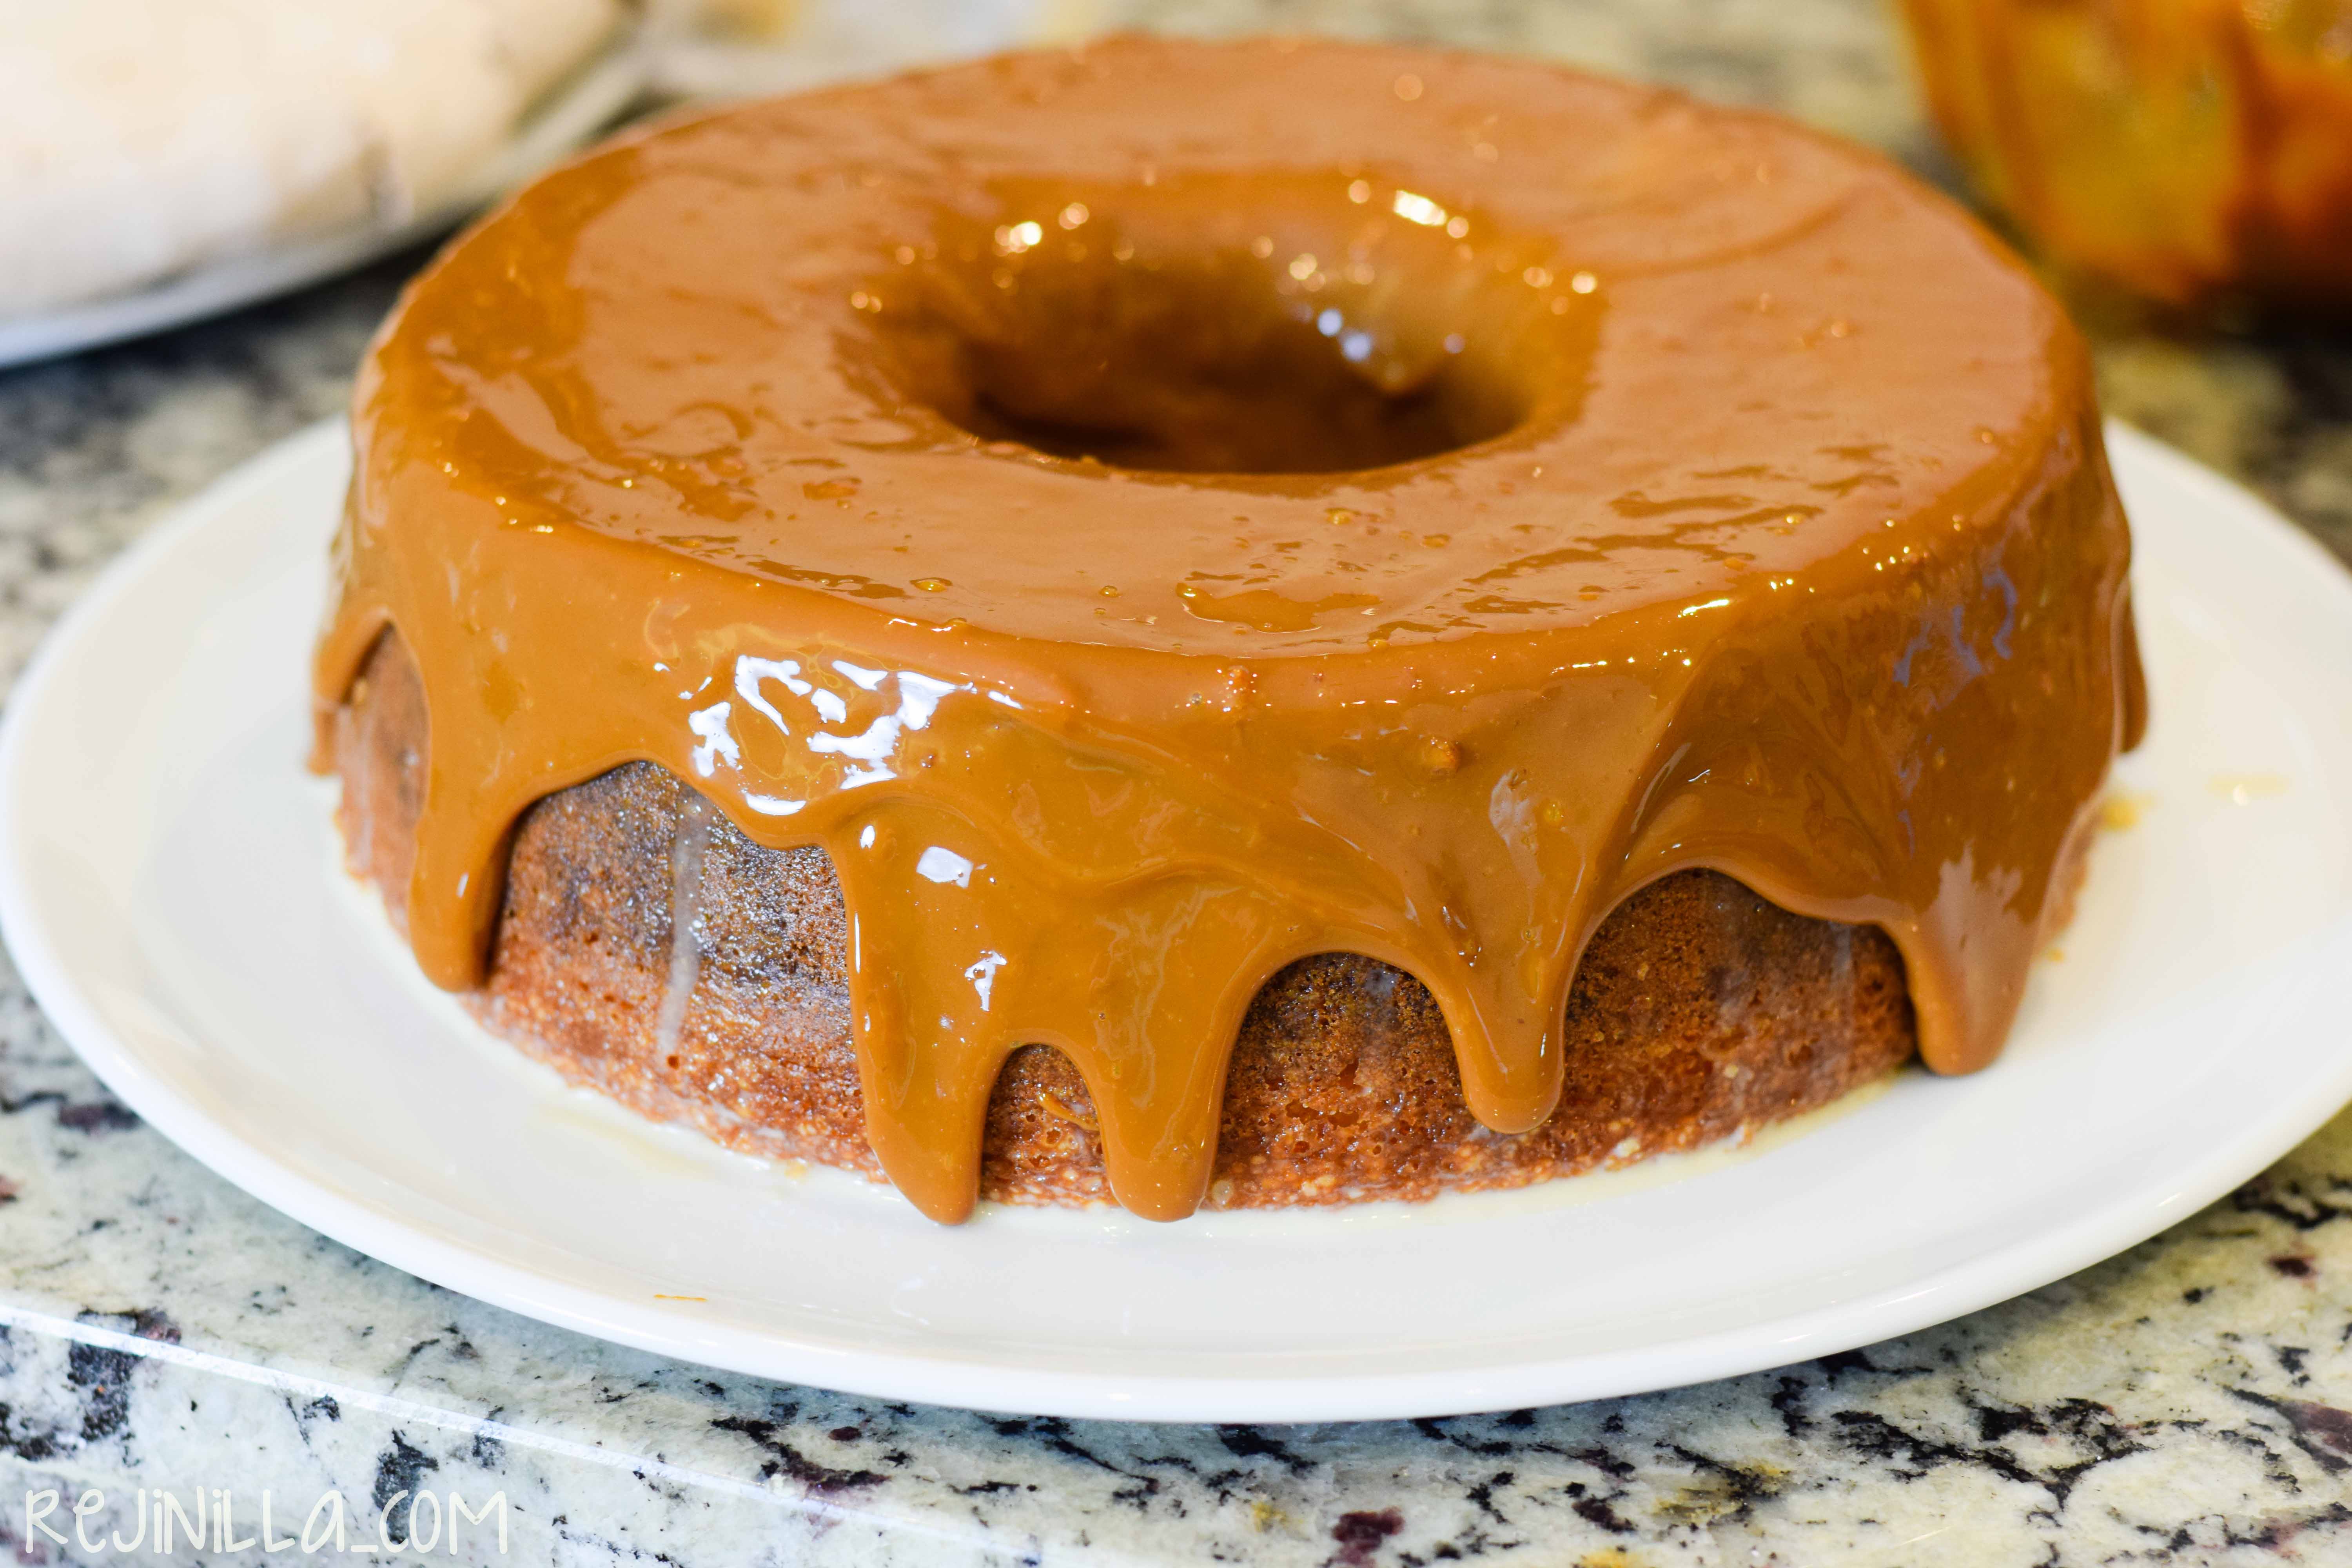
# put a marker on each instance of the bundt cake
(1264, 622)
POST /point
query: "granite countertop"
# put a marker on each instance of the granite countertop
(2189, 1402)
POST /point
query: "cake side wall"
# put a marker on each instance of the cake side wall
(1699, 1009)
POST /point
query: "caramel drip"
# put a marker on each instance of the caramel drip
(1351, 499)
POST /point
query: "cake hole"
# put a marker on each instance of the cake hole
(1193, 369)
(1195, 330)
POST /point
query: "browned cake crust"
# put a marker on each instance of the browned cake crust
(1700, 1009)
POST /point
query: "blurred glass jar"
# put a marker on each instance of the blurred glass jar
(2191, 151)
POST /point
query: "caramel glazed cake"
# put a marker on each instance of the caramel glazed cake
(1261, 624)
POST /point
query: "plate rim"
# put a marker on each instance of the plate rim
(2004, 1271)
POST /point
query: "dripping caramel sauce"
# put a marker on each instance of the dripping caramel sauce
(1306, 518)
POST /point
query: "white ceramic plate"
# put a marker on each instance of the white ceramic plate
(579, 109)
(167, 885)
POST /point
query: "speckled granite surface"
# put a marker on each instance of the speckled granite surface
(2187, 1403)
